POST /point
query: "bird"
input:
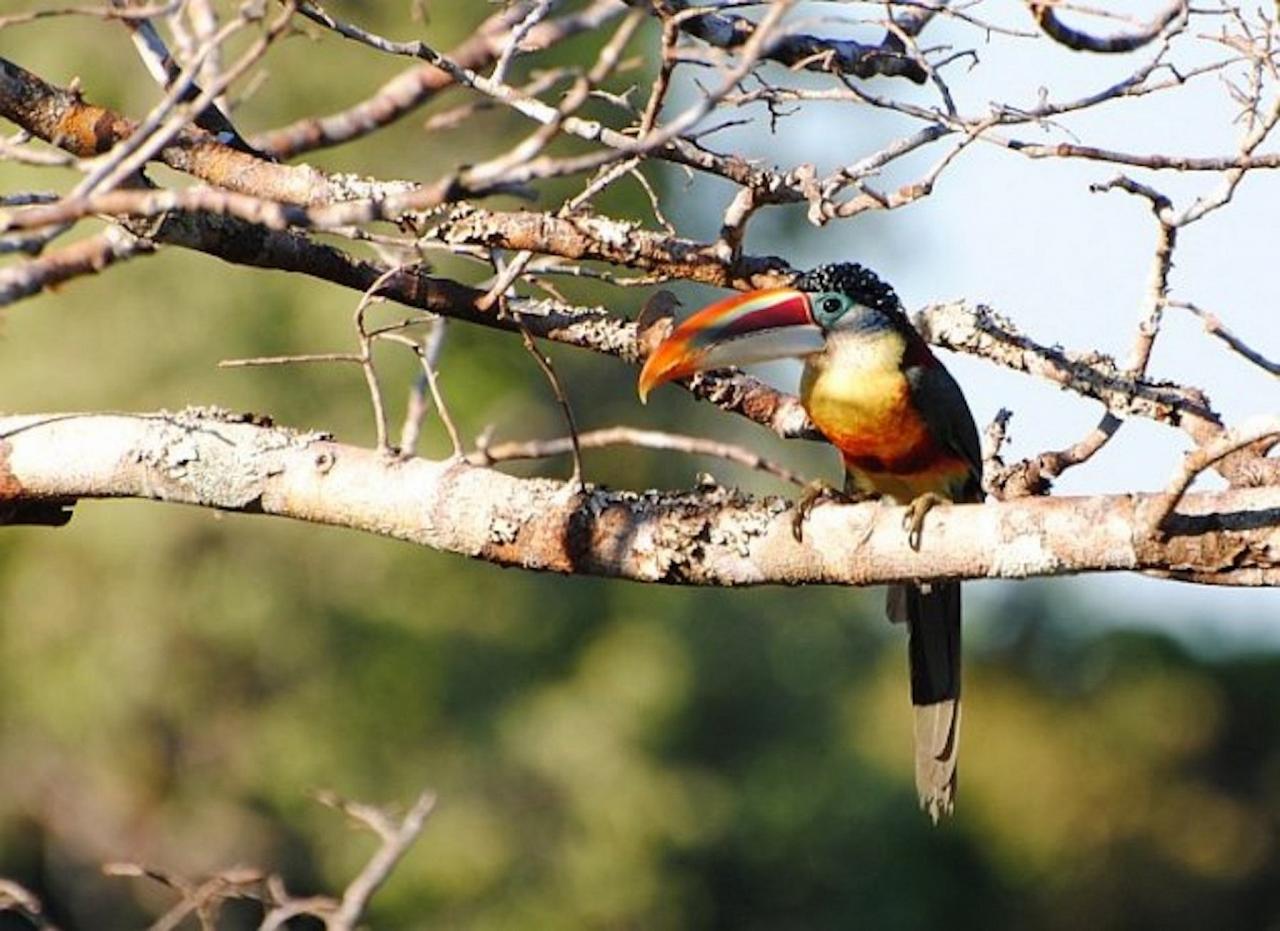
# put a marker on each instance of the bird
(876, 392)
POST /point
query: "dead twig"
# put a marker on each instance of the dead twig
(1047, 17)
(21, 901)
(1257, 431)
(396, 836)
(1214, 326)
(488, 453)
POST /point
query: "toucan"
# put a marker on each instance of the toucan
(878, 394)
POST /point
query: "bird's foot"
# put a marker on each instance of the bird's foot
(814, 492)
(913, 520)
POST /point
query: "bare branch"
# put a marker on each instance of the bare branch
(86, 257)
(1154, 161)
(203, 899)
(60, 117)
(1258, 431)
(168, 118)
(720, 538)
(18, 900)
(1214, 326)
(396, 841)
(415, 87)
(428, 352)
(796, 50)
(982, 332)
(490, 453)
(1063, 34)
(592, 237)
(155, 55)
(1034, 476)
(101, 12)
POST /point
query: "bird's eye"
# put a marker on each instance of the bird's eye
(831, 305)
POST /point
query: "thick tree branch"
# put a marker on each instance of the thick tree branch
(717, 538)
(60, 117)
(982, 332)
(957, 326)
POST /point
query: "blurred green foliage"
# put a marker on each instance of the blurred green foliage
(607, 755)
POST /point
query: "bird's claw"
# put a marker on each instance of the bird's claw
(815, 492)
(913, 520)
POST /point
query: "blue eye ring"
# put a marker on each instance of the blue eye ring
(830, 306)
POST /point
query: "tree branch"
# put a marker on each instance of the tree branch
(86, 257)
(60, 117)
(796, 50)
(591, 237)
(489, 453)
(416, 86)
(716, 538)
(1080, 41)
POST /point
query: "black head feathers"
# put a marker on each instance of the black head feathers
(852, 280)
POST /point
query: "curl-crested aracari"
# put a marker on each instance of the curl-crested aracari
(903, 429)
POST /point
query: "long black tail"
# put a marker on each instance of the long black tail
(932, 616)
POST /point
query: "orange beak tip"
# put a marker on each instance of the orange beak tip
(655, 372)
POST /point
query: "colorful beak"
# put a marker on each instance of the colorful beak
(775, 323)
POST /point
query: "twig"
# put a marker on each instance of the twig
(489, 453)
(21, 901)
(166, 72)
(366, 357)
(662, 80)
(428, 353)
(204, 22)
(537, 13)
(101, 12)
(1256, 430)
(171, 116)
(752, 48)
(87, 257)
(562, 398)
(61, 116)
(291, 359)
(1063, 34)
(396, 838)
(1255, 134)
(1214, 326)
(203, 899)
(1154, 161)
(797, 50)
(1034, 476)
(1037, 474)
(412, 89)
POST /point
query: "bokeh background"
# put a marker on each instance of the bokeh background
(174, 682)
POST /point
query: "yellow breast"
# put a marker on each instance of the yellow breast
(857, 396)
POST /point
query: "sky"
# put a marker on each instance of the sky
(1067, 266)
